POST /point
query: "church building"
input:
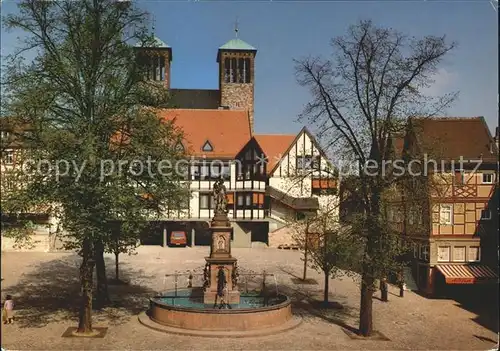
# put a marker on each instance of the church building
(270, 178)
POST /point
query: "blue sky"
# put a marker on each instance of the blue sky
(284, 30)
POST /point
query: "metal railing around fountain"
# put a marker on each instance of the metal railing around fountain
(249, 284)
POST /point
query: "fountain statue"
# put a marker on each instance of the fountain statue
(220, 199)
(220, 260)
(222, 291)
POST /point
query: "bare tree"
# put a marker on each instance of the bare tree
(360, 98)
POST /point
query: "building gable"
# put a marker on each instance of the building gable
(303, 150)
(251, 146)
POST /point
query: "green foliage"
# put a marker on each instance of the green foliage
(332, 248)
(385, 253)
(83, 96)
(21, 231)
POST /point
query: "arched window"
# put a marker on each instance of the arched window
(157, 59)
(162, 68)
(247, 70)
(241, 70)
(233, 71)
(226, 70)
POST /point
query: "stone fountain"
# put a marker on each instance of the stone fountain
(222, 311)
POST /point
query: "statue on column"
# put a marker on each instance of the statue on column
(220, 197)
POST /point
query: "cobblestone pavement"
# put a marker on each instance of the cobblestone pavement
(45, 288)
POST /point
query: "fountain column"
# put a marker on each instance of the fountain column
(220, 254)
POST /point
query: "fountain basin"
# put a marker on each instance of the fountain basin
(185, 310)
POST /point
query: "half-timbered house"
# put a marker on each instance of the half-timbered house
(454, 225)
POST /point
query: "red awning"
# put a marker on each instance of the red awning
(466, 274)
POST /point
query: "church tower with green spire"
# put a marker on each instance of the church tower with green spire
(236, 61)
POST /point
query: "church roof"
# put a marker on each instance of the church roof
(237, 44)
(227, 131)
(157, 43)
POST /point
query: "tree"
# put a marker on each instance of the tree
(124, 240)
(331, 248)
(360, 99)
(96, 141)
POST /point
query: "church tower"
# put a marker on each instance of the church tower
(236, 61)
(155, 57)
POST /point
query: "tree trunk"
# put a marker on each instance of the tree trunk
(367, 277)
(306, 249)
(365, 310)
(102, 297)
(327, 283)
(86, 269)
(304, 275)
(117, 275)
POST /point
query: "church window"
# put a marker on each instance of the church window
(151, 68)
(241, 70)
(246, 71)
(226, 70)
(162, 68)
(157, 68)
(232, 74)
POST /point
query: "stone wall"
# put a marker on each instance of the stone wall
(238, 97)
(39, 242)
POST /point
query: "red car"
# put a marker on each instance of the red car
(178, 238)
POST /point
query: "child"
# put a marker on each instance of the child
(9, 309)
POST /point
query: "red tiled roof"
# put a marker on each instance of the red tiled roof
(226, 130)
(449, 138)
(274, 146)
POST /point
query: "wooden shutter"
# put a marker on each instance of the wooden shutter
(255, 198)
(261, 199)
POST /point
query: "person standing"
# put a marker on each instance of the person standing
(9, 309)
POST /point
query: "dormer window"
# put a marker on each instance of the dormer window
(207, 146)
(179, 148)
